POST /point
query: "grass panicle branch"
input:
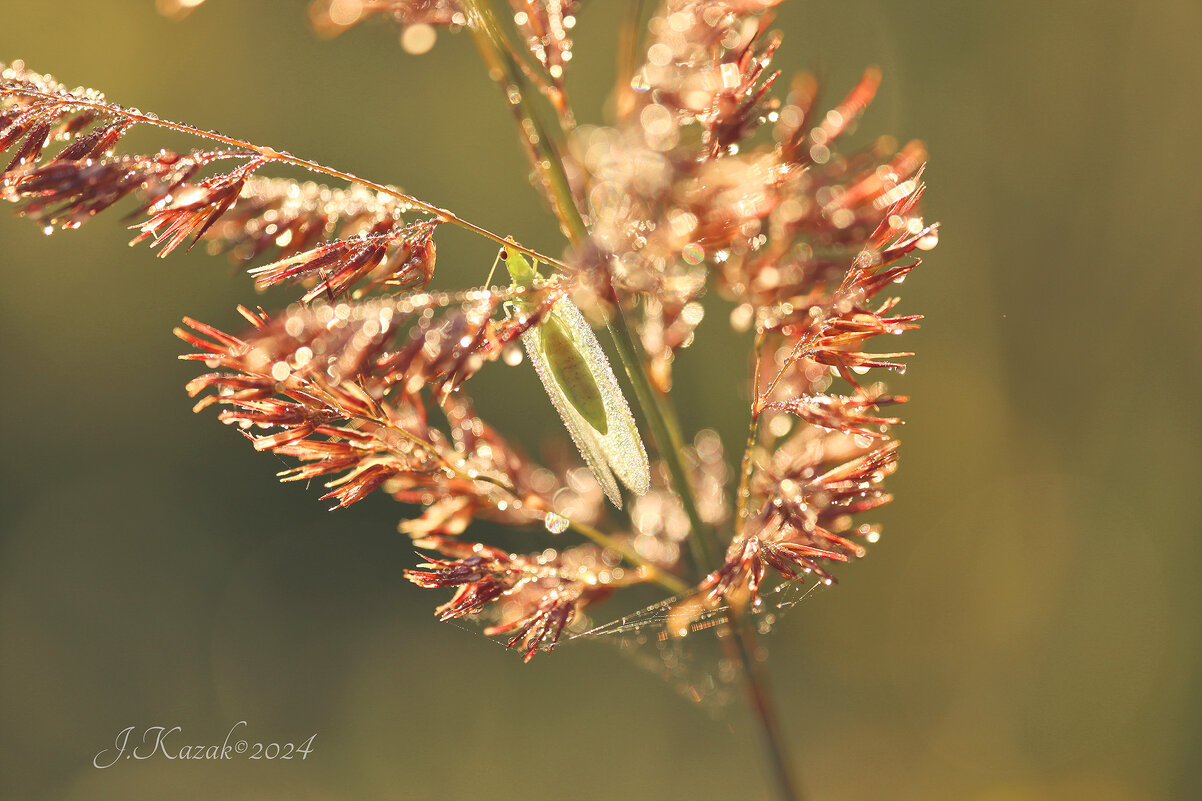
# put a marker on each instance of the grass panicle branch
(85, 177)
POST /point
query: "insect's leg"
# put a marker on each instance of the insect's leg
(495, 262)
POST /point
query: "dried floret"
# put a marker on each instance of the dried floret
(533, 597)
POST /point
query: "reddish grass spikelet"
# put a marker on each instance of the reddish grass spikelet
(400, 257)
(799, 521)
(67, 194)
(735, 112)
(286, 218)
(850, 414)
(746, 558)
(192, 209)
(535, 597)
(479, 578)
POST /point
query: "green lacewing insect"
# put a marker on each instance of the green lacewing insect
(577, 377)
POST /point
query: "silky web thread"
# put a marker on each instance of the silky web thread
(693, 664)
(696, 665)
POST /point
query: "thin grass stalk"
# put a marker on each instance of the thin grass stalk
(753, 429)
(627, 61)
(541, 149)
(666, 436)
(744, 643)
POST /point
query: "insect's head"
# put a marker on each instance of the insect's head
(521, 272)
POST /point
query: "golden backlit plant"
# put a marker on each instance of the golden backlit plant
(706, 180)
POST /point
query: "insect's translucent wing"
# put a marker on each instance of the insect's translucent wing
(622, 444)
(583, 434)
(620, 450)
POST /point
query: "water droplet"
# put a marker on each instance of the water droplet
(741, 317)
(555, 523)
(418, 39)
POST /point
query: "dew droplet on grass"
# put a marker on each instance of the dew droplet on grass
(555, 523)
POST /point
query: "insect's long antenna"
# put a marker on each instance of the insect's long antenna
(495, 262)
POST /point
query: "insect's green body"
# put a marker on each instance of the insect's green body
(572, 373)
(583, 389)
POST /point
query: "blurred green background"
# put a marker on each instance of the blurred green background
(1027, 629)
